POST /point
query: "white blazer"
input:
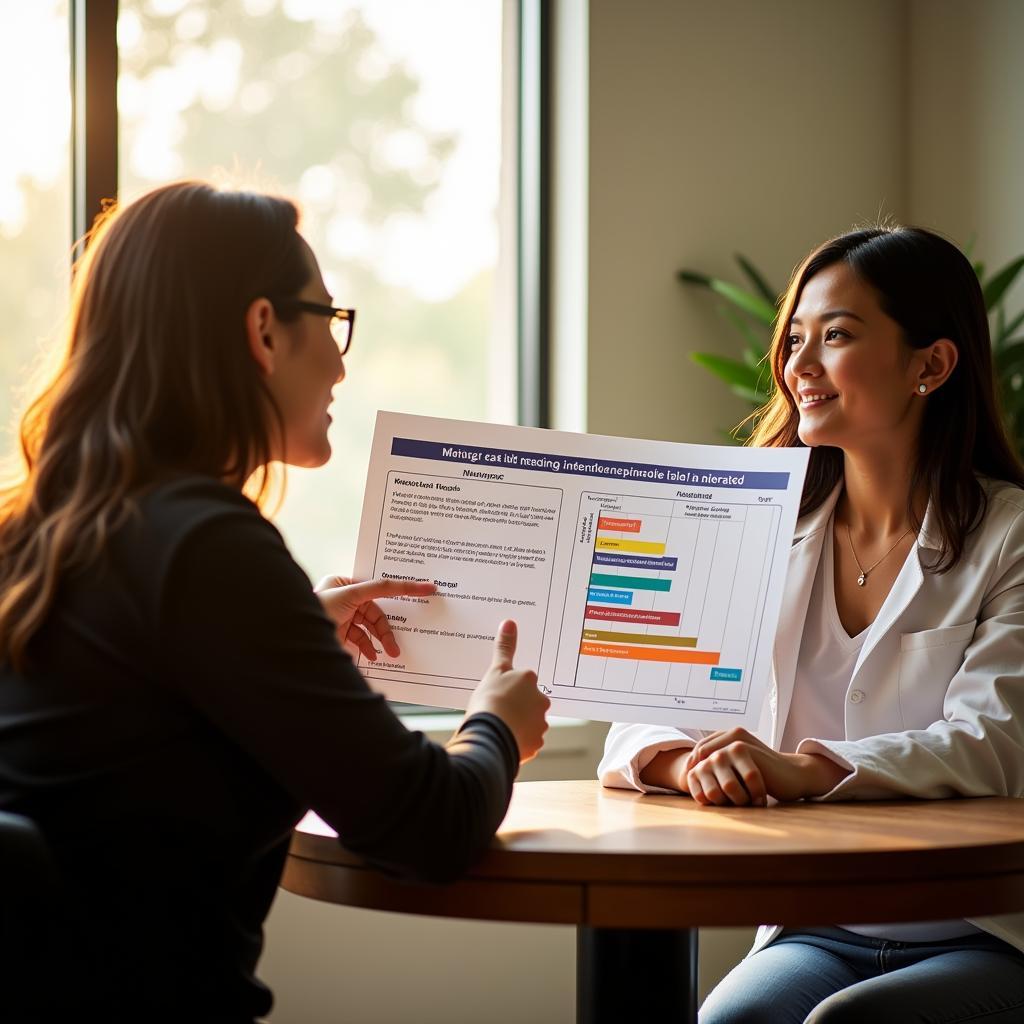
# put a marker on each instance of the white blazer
(935, 706)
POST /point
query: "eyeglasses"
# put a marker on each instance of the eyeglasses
(343, 321)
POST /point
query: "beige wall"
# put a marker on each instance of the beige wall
(688, 130)
(966, 125)
(761, 127)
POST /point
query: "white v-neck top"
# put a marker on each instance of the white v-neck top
(828, 656)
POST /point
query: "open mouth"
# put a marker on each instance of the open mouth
(807, 401)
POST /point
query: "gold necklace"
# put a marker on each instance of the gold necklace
(863, 577)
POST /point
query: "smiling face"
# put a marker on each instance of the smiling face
(851, 373)
(305, 367)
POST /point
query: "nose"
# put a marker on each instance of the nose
(804, 362)
(341, 370)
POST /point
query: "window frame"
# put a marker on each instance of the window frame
(94, 128)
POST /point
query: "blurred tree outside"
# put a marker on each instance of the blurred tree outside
(307, 99)
(310, 99)
(35, 197)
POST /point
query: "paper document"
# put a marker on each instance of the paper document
(646, 577)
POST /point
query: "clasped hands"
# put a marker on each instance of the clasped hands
(734, 767)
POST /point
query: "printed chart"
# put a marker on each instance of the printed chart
(646, 577)
(670, 601)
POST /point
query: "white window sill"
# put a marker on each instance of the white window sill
(572, 746)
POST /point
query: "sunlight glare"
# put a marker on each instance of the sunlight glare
(36, 134)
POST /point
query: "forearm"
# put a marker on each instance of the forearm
(943, 761)
(667, 770)
(821, 773)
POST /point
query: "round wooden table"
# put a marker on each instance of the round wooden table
(638, 874)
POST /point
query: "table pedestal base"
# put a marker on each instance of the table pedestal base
(624, 974)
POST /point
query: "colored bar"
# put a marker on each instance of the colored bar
(649, 654)
(636, 562)
(652, 639)
(644, 547)
(630, 582)
(611, 596)
(727, 675)
(622, 525)
(652, 618)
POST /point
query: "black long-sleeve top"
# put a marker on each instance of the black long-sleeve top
(186, 701)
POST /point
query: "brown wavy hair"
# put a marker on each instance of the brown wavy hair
(929, 287)
(156, 380)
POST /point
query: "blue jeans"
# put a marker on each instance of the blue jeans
(832, 976)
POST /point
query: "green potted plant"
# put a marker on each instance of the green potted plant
(751, 309)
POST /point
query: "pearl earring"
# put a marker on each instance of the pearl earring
(922, 388)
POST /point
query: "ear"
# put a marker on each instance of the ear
(937, 362)
(259, 333)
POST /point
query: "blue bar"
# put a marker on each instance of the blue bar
(610, 596)
(635, 561)
(727, 675)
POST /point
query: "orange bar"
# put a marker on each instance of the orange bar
(622, 525)
(646, 654)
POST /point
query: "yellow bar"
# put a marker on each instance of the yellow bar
(649, 654)
(646, 547)
(658, 639)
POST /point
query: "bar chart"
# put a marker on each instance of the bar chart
(671, 598)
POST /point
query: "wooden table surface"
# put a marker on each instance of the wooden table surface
(576, 853)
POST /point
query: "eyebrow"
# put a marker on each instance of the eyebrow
(833, 314)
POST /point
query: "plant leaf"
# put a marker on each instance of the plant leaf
(755, 360)
(1010, 359)
(753, 395)
(756, 278)
(998, 284)
(755, 344)
(752, 305)
(732, 371)
(1002, 336)
(979, 269)
(694, 277)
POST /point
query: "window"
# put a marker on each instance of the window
(406, 130)
(384, 119)
(35, 194)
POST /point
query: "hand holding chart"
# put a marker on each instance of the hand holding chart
(646, 577)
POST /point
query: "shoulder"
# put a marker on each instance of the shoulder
(999, 536)
(1003, 514)
(173, 509)
(189, 511)
(1005, 498)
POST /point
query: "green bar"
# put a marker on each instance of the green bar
(600, 579)
(656, 639)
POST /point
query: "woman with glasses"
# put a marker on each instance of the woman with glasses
(173, 693)
(899, 659)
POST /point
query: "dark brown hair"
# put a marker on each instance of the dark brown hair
(930, 289)
(156, 380)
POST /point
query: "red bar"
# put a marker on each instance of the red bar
(621, 525)
(600, 611)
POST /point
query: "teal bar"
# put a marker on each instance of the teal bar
(727, 675)
(600, 579)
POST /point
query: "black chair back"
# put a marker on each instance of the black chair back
(29, 899)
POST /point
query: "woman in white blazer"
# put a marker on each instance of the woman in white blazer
(899, 660)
